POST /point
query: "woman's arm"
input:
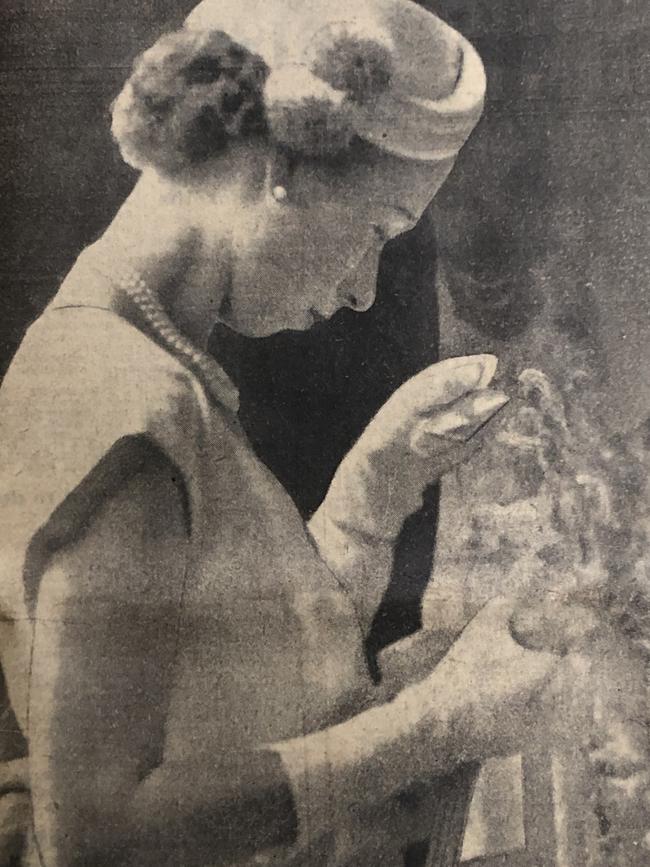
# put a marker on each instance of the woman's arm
(104, 647)
(103, 791)
(427, 427)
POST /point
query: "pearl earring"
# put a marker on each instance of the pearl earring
(280, 194)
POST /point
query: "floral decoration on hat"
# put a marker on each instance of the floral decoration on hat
(311, 106)
(305, 113)
(356, 60)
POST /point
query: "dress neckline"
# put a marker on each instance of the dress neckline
(73, 295)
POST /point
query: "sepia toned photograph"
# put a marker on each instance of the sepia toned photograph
(325, 433)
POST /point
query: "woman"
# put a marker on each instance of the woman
(184, 656)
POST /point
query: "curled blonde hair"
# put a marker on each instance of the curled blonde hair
(189, 96)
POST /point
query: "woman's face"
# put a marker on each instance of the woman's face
(300, 260)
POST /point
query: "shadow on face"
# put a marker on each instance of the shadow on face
(317, 250)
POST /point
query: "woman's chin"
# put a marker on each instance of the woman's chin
(267, 326)
(295, 326)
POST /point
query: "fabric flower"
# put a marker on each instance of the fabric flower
(305, 113)
(353, 60)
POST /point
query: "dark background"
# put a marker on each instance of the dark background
(558, 165)
(543, 220)
(541, 233)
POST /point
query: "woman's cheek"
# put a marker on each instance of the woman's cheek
(291, 266)
(267, 294)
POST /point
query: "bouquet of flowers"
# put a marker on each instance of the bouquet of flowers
(557, 513)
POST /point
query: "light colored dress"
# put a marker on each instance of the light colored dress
(269, 645)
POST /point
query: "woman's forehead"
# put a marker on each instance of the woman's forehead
(406, 185)
(381, 181)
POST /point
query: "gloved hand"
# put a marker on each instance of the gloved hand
(427, 427)
(491, 687)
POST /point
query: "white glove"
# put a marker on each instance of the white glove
(491, 686)
(424, 429)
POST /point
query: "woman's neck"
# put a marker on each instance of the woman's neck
(153, 237)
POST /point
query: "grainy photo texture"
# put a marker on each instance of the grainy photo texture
(324, 433)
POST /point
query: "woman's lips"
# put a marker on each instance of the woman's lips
(317, 316)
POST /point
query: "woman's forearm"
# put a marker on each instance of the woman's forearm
(222, 809)
(369, 759)
(289, 794)
(363, 564)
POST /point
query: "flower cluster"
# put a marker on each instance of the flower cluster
(311, 106)
(305, 114)
(354, 62)
(561, 510)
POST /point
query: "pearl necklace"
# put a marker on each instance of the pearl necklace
(171, 337)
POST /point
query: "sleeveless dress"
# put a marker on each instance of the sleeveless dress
(269, 644)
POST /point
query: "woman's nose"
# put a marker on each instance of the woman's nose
(358, 302)
(358, 291)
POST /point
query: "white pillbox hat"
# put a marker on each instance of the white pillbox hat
(410, 117)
